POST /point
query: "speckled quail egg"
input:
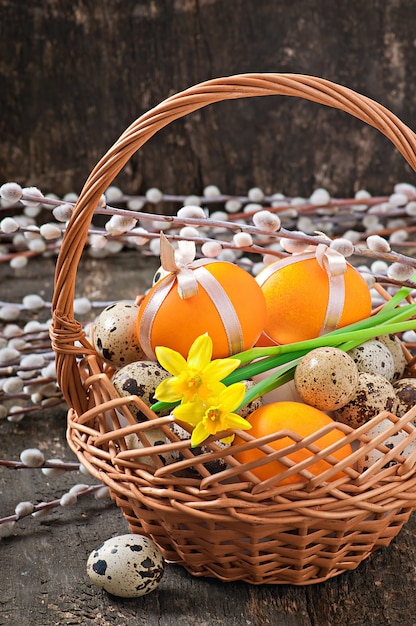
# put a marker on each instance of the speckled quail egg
(251, 406)
(140, 379)
(373, 357)
(127, 566)
(372, 395)
(396, 350)
(405, 389)
(390, 442)
(115, 334)
(326, 378)
(156, 438)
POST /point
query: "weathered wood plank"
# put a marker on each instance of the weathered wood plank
(76, 74)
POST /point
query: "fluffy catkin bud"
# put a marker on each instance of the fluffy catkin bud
(68, 499)
(255, 194)
(242, 240)
(24, 508)
(32, 457)
(378, 244)
(266, 220)
(11, 192)
(9, 225)
(400, 271)
(154, 195)
(33, 302)
(191, 211)
(211, 191)
(343, 246)
(211, 249)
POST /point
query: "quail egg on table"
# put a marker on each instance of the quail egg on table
(326, 378)
(373, 357)
(373, 394)
(139, 378)
(115, 335)
(390, 442)
(127, 566)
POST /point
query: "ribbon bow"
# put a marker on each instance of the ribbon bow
(180, 263)
(330, 260)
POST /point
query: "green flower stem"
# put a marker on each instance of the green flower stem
(400, 295)
(262, 365)
(284, 375)
(288, 352)
(163, 406)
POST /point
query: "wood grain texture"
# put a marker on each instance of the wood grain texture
(76, 74)
(43, 575)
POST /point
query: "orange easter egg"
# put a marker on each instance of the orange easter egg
(302, 419)
(229, 305)
(304, 301)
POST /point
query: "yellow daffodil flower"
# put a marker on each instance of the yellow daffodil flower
(196, 377)
(214, 416)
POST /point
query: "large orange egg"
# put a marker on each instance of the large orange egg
(229, 305)
(301, 419)
(302, 302)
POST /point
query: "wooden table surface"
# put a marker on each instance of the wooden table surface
(43, 564)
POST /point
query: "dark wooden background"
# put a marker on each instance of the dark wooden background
(75, 73)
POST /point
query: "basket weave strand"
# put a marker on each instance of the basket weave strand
(219, 519)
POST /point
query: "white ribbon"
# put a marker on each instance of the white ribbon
(335, 265)
(179, 263)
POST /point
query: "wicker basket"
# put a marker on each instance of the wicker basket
(228, 524)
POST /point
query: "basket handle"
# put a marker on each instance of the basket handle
(65, 331)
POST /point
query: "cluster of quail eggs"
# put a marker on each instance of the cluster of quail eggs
(355, 386)
(115, 341)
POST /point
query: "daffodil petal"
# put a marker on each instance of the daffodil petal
(228, 440)
(199, 434)
(165, 391)
(218, 369)
(200, 352)
(170, 360)
(190, 412)
(236, 421)
(231, 397)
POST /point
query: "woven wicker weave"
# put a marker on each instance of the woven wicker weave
(227, 524)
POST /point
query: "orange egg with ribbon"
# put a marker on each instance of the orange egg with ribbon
(311, 294)
(197, 297)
